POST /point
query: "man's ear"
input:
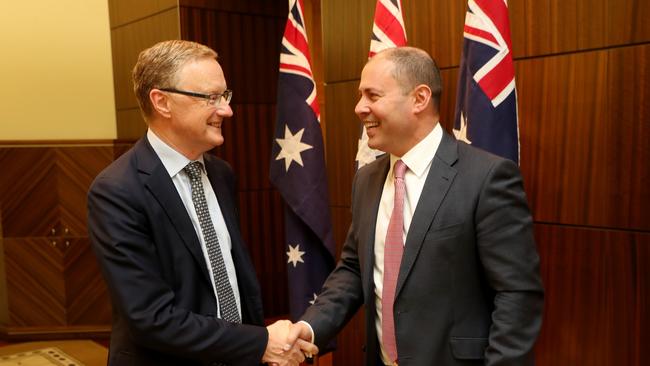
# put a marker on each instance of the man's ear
(422, 94)
(160, 102)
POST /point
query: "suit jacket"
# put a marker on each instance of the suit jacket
(468, 289)
(164, 309)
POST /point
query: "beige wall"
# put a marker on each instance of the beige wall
(56, 78)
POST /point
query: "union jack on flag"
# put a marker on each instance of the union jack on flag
(486, 103)
(388, 31)
(297, 169)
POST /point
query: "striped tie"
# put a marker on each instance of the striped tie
(393, 249)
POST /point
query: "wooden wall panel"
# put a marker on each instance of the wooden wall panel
(343, 131)
(557, 26)
(627, 21)
(29, 204)
(580, 159)
(347, 26)
(262, 220)
(126, 11)
(437, 27)
(130, 123)
(53, 283)
(87, 299)
(595, 293)
(449, 78)
(249, 7)
(36, 292)
(77, 167)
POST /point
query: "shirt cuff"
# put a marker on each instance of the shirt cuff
(313, 337)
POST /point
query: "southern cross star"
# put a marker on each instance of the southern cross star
(295, 255)
(291, 147)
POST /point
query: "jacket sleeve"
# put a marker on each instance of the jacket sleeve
(506, 248)
(342, 293)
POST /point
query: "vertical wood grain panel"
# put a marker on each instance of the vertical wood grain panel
(589, 275)
(347, 26)
(343, 130)
(580, 158)
(437, 27)
(126, 11)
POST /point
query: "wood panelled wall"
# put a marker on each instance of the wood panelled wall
(51, 282)
(247, 36)
(583, 81)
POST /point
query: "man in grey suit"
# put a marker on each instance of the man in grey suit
(441, 249)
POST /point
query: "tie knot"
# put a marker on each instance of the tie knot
(400, 169)
(193, 169)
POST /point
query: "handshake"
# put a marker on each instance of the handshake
(289, 343)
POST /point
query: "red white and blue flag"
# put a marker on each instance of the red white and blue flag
(298, 169)
(486, 103)
(388, 31)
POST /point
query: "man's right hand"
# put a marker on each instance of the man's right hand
(284, 346)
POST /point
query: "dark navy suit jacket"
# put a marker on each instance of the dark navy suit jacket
(163, 303)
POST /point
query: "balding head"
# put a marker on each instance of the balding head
(413, 67)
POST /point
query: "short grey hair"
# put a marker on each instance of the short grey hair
(158, 67)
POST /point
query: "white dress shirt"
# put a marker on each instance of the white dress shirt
(418, 160)
(174, 162)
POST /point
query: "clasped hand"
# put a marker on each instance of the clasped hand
(288, 344)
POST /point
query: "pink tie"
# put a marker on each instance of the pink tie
(393, 249)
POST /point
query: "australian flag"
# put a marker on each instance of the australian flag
(298, 169)
(486, 104)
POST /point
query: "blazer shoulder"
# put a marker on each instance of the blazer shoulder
(121, 174)
(481, 159)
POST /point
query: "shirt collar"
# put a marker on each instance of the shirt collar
(172, 160)
(420, 156)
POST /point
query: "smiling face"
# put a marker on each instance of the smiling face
(194, 127)
(385, 109)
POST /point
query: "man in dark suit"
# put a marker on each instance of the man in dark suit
(441, 248)
(163, 223)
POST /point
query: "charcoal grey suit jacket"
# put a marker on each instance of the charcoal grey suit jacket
(469, 290)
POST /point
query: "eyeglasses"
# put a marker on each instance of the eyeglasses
(211, 99)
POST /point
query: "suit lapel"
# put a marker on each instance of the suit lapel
(440, 177)
(158, 182)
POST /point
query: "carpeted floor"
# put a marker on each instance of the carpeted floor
(54, 353)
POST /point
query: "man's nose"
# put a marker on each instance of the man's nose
(224, 110)
(361, 108)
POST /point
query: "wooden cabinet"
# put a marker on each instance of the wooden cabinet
(51, 284)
